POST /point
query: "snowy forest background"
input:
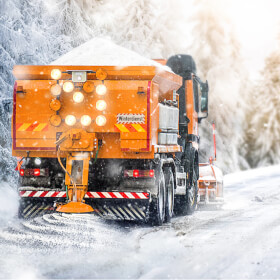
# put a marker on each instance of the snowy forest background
(246, 112)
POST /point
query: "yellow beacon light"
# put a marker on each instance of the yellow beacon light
(101, 120)
(56, 74)
(101, 89)
(68, 86)
(70, 120)
(78, 97)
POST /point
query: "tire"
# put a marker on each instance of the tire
(169, 198)
(192, 195)
(186, 204)
(157, 207)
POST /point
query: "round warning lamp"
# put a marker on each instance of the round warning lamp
(88, 87)
(68, 86)
(101, 105)
(78, 97)
(100, 120)
(56, 90)
(70, 120)
(101, 89)
(55, 120)
(85, 120)
(101, 74)
(55, 105)
(56, 74)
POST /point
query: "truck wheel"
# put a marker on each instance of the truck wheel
(169, 185)
(157, 207)
(192, 195)
(186, 204)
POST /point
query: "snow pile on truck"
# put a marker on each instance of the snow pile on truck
(103, 52)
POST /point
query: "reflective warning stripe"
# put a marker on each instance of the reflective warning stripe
(138, 127)
(32, 126)
(62, 194)
(24, 126)
(121, 127)
(40, 127)
(132, 127)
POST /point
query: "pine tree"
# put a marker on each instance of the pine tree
(217, 54)
(264, 116)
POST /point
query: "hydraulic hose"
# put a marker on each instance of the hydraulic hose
(71, 178)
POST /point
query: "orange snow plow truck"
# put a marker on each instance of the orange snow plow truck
(119, 142)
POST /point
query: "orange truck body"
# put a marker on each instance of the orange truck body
(32, 131)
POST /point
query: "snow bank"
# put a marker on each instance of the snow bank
(8, 204)
(100, 51)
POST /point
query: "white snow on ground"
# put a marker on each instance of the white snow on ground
(101, 51)
(8, 204)
(240, 240)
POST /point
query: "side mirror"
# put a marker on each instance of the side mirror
(204, 88)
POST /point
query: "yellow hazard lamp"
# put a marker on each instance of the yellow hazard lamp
(101, 74)
(56, 74)
(56, 90)
(70, 120)
(100, 120)
(86, 120)
(68, 86)
(78, 97)
(88, 87)
(101, 89)
(55, 105)
(101, 105)
(55, 120)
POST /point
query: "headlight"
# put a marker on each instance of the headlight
(85, 120)
(56, 90)
(100, 120)
(70, 120)
(78, 97)
(68, 86)
(101, 89)
(101, 105)
(56, 74)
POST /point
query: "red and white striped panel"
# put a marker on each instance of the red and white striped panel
(127, 195)
(42, 194)
(119, 195)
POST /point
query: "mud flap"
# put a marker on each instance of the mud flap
(30, 208)
(108, 208)
(128, 209)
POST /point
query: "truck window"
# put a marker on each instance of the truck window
(195, 95)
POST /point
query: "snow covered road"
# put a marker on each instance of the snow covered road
(241, 240)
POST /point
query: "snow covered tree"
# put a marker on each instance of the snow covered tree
(28, 35)
(143, 26)
(216, 52)
(264, 115)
